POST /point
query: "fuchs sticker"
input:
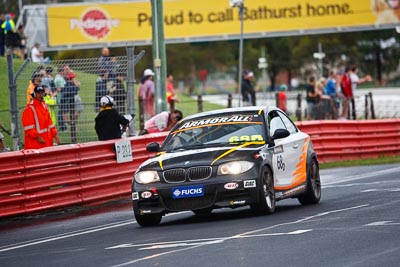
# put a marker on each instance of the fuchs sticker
(230, 186)
(135, 196)
(146, 194)
(188, 191)
(249, 184)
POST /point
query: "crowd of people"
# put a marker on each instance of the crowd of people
(330, 98)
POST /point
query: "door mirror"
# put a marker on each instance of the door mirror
(153, 147)
(280, 133)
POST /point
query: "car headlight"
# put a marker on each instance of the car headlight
(235, 167)
(146, 177)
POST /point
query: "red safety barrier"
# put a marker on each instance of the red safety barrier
(86, 174)
(349, 140)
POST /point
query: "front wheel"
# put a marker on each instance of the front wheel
(313, 190)
(148, 219)
(266, 201)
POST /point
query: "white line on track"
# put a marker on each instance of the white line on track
(223, 239)
(361, 176)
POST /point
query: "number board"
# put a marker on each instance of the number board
(123, 151)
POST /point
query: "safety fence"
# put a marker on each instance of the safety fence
(85, 174)
(349, 140)
(67, 175)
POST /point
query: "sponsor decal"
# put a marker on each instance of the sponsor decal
(94, 23)
(230, 186)
(135, 196)
(217, 120)
(146, 194)
(145, 211)
(249, 183)
(188, 191)
(237, 202)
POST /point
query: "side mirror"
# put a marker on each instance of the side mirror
(153, 147)
(280, 133)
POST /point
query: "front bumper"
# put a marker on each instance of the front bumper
(216, 193)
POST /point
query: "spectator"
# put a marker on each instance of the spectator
(107, 63)
(162, 122)
(355, 80)
(39, 130)
(59, 83)
(347, 93)
(35, 81)
(51, 101)
(11, 38)
(118, 93)
(282, 100)
(68, 100)
(248, 91)
(101, 88)
(171, 96)
(36, 54)
(48, 80)
(146, 94)
(331, 91)
(108, 122)
(311, 98)
(21, 41)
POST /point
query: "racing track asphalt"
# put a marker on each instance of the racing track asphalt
(357, 223)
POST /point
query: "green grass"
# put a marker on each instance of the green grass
(361, 162)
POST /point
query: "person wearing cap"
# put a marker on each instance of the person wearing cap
(39, 130)
(108, 122)
(146, 94)
(162, 122)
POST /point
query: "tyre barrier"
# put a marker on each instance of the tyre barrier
(56, 177)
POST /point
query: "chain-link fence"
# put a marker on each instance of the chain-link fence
(73, 91)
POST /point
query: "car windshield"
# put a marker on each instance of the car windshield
(216, 131)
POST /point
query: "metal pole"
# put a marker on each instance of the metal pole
(241, 9)
(130, 81)
(12, 86)
(159, 56)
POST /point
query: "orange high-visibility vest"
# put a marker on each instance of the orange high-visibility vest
(36, 121)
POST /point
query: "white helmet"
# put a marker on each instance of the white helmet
(148, 72)
(106, 101)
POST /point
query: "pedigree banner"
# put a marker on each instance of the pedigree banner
(211, 19)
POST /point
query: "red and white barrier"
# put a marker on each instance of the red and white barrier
(83, 174)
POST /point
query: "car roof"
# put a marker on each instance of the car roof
(231, 110)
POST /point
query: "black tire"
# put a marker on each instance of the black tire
(266, 202)
(313, 190)
(148, 219)
(202, 211)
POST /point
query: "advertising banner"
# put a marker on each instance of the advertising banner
(185, 20)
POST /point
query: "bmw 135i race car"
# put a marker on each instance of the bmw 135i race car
(227, 158)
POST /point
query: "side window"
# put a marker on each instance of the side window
(274, 124)
(290, 126)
